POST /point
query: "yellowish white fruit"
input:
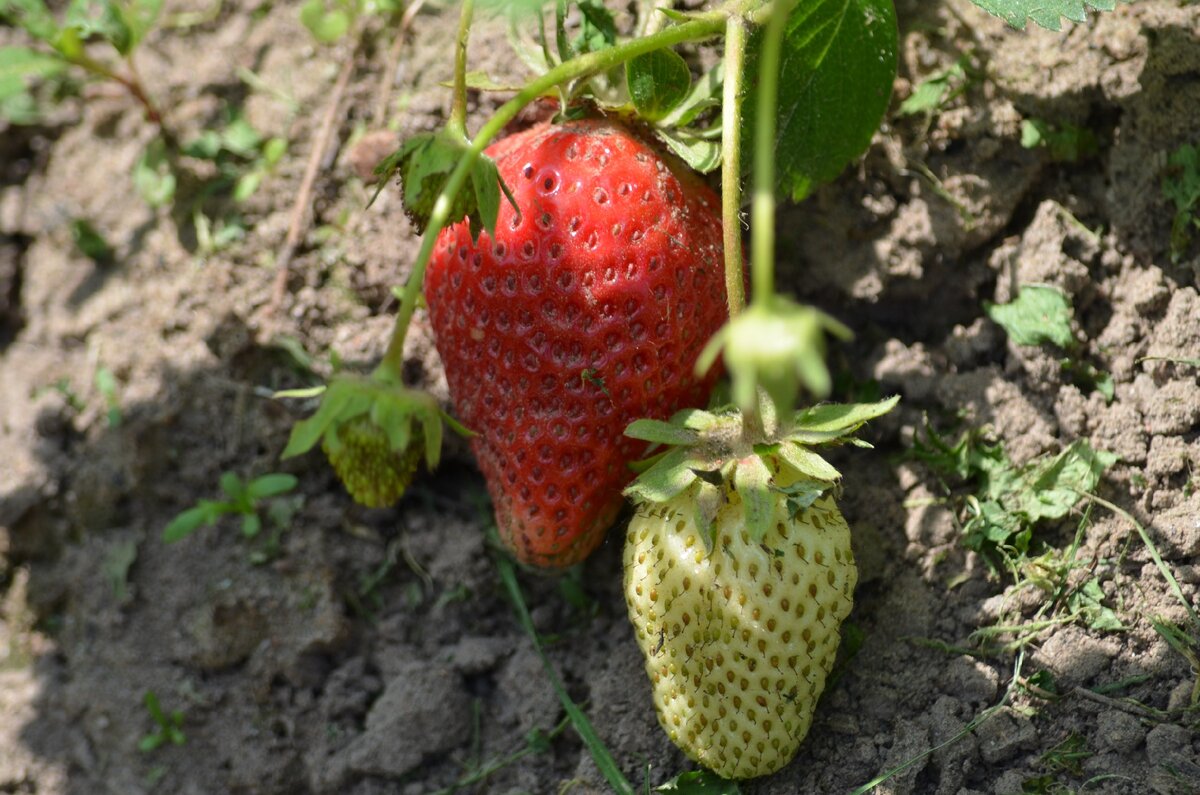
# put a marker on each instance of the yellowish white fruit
(738, 640)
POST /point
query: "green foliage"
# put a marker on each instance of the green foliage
(122, 24)
(19, 68)
(1182, 186)
(243, 498)
(1042, 315)
(835, 86)
(658, 82)
(330, 20)
(90, 242)
(168, 727)
(1066, 142)
(1047, 13)
(1006, 502)
(106, 385)
(1039, 314)
(931, 94)
(424, 163)
(153, 177)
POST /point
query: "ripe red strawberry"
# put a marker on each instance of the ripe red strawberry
(587, 310)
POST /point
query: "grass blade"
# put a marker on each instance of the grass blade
(604, 761)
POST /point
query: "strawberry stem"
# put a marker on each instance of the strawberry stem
(762, 211)
(731, 163)
(458, 107)
(699, 27)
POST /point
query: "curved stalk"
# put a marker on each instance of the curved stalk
(762, 211)
(458, 107)
(731, 163)
(700, 27)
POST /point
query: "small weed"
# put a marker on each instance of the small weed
(1042, 315)
(63, 48)
(90, 242)
(1187, 645)
(1066, 143)
(116, 566)
(1182, 186)
(106, 385)
(244, 500)
(940, 88)
(1067, 756)
(168, 727)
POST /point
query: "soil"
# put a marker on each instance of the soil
(375, 651)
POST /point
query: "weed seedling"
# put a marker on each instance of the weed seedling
(1042, 315)
(244, 499)
(1182, 186)
(168, 727)
(122, 24)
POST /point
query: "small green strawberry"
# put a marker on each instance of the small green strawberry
(373, 473)
(738, 575)
(374, 433)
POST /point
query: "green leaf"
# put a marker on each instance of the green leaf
(140, 16)
(1047, 13)
(661, 432)
(232, 485)
(153, 177)
(834, 86)
(658, 82)
(485, 179)
(1038, 315)
(17, 64)
(934, 91)
(187, 522)
(1182, 186)
(670, 476)
(701, 154)
(90, 242)
(32, 15)
(251, 525)
(704, 94)
(326, 25)
(240, 138)
(271, 485)
(752, 482)
(1066, 143)
(1055, 486)
(246, 185)
(807, 463)
(306, 433)
(834, 420)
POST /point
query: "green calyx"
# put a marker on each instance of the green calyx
(424, 163)
(778, 346)
(714, 455)
(374, 433)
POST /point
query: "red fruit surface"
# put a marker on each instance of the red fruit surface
(585, 312)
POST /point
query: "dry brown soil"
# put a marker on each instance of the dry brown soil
(374, 651)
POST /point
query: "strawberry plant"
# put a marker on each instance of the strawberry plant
(64, 45)
(576, 286)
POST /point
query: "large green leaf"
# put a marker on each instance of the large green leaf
(1047, 13)
(839, 62)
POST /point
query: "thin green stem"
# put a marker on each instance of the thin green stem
(458, 107)
(731, 163)
(700, 27)
(131, 83)
(762, 211)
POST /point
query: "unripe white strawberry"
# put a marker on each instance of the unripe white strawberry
(739, 640)
(738, 576)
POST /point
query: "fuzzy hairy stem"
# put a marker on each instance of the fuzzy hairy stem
(762, 211)
(731, 162)
(458, 108)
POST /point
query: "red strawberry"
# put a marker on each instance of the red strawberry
(586, 311)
